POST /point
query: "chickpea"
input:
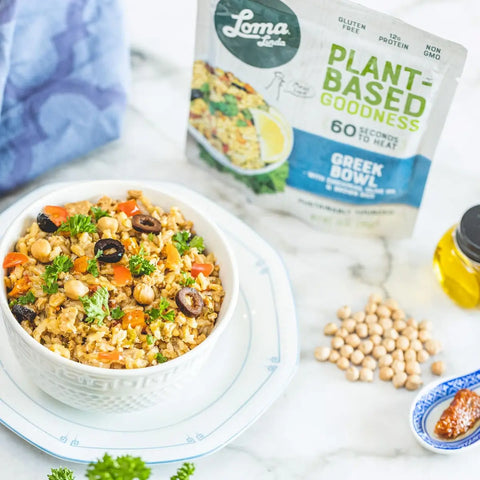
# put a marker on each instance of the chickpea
(398, 315)
(359, 317)
(424, 335)
(108, 223)
(398, 355)
(399, 325)
(352, 374)
(375, 298)
(433, 347)
(330, 328)
(412, 368)
(385, 374)
(376, 339)
(425, 325)
(383, 311)
(346, 350)
(75, 289)
(337, 342)
(385, 323)
(362, 330)
(349, 325)
(392, 304)
(391, 333)
(398, 366)
(372, 318)
(366, 347)
(416, 345)
(413, 382)
(41, 249)
(411, 322)
(389, 344)
(357, 357)
(342, 332)
(385, 361)
(343, 363)
(370, 363)
(322, 353)
(334, 356)
(399, 379)
(143, 294)
(438, 368)
(344, 312)
(379, 351)
(375, 329)
(403, 343)
(410, 332)
(410, 355)
(370, 308)
(422, 356)
(366, 375)
(353, 339)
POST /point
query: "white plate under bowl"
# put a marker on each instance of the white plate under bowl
(248, 370)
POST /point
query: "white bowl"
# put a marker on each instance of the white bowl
(97, 389)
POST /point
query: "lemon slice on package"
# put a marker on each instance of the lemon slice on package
(274, 134)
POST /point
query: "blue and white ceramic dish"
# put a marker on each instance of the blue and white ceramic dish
(429, 405)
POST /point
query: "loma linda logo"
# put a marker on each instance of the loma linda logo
(264, 35)
(261, 31)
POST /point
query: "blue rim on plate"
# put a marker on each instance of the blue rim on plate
(428, 406)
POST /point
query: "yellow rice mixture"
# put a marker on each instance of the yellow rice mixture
(220, 111)
(60, 323)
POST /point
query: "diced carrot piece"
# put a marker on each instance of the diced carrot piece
(121, 275)
(13, 259)
(21, 287)
(205, 268)
(129, 207)
(80, 264)
(131, 245)
(113, 356)
(134, 318)
(173, 257)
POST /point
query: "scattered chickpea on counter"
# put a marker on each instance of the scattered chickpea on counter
(381, 336)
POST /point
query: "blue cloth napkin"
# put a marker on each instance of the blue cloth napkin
(63, 80)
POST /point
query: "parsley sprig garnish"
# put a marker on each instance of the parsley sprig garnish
(78, 224)
(161, 359)
(26, 299)
(139, 265)
(98, 213)
(60, 264)
(61, 474)
(96, 306)
(92, 264)
(117, 313)
(187, 280)
(184, 472)
(161, 312)
(183, 241)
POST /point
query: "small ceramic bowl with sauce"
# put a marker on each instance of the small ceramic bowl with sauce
(428, 406)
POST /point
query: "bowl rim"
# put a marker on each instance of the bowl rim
(135, 372)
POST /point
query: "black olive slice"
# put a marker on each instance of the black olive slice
(45, 223)
(22, 313)
(196, 93)
(146, 224)
(189, 301)
(106, 245)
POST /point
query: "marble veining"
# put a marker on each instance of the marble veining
(322, 427)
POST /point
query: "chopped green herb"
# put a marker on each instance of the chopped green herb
(241, 123)
(184, 472)
(92, 264)
(229, 107)
(150, 339)
(139, 265)
(121, 468)
(161, 312)
(98, 213)
(117, 313)
(205, 88)
(24, 299)
(184, 242)
(78, 224)
(96, 306)
(160, 358)
(62, 263)
(187, 280)
(151, 237)
(61, 474)
(247, 115)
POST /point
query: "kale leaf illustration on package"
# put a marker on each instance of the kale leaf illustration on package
(328, 111)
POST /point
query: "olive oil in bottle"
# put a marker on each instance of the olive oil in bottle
(457, 260)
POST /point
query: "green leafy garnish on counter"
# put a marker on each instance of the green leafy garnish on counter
(161, 312)
(187, 280)
(98, 213)
(139, 265)
(125, 467)
(78, 224)
(117, 313)
(184, 472)
(62, 263)
(160, 358)
(96, 306)
(61, 474)
(26, 299)
(183, 242)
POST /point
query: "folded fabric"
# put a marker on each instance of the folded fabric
(63, 81)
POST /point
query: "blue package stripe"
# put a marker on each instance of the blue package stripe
(355, 175)
(65, 88)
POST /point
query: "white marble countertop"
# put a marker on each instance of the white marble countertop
(322, 426)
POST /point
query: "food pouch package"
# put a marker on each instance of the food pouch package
(63, 80)
(323, 109)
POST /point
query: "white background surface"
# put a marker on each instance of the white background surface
(322, 427)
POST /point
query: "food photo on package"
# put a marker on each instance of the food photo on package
(325, 110)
